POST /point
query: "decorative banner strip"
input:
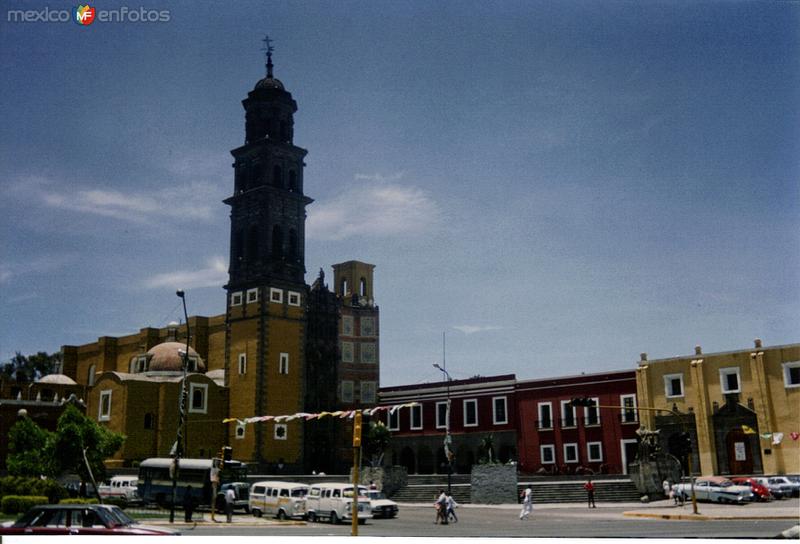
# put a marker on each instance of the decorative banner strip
(341, 414)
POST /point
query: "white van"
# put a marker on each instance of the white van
(282, 499)
(334, 502)
(120, 487)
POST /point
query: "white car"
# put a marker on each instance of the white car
(791, 488)
(716, 489)
(381, 506)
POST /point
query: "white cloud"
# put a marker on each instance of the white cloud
(214, 275)
(381, 178)
(384, 210)
(472, 329)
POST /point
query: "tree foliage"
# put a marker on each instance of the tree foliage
(27, 369)
(378, 440)
(28, 450)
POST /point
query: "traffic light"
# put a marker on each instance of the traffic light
(357, 430)
(227, 453)
(582, 401)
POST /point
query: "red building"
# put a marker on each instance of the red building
(558, 439)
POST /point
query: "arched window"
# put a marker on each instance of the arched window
(343, 291)
(277, 176)
(292, 243)
(362, 287)
(90, 377)
(277, 240)
(292, 180)
(252, 243)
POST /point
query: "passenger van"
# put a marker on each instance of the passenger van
(282, 499)
(334, 502)
(120, 487)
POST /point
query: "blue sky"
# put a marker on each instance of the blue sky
(556, 186)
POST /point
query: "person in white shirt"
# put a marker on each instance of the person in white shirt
(451, 508)
(527, 503)
(230, 498)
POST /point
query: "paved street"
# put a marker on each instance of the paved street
(656, 520)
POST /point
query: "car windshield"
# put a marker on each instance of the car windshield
(299, 492)
(376, 495)
(120, 517)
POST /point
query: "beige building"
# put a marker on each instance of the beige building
(741, 408)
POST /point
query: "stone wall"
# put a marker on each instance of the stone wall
(494, 484)
(388, 479)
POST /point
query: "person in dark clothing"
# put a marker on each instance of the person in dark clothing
(188, 504)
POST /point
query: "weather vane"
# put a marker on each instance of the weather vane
(269, 49)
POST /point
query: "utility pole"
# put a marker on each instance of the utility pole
(356, 463)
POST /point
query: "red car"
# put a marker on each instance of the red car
(760, 491)
(79, 519)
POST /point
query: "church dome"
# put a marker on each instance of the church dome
(57, 379)
(166, 357)
(270, 83)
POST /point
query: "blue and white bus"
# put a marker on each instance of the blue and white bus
(155, 481)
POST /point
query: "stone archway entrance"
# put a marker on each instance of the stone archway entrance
(738, 452)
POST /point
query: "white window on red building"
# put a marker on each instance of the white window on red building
(548, 454)
(594, 451)
(416, 417)
(471, 413)
(571, 453)
(568, 415)
(545, 415)
(499, 411)
(393, 420)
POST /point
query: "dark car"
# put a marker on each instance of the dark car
(79, 519)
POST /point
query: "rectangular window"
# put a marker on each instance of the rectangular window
(393, 420)
(252, 295)
(591, 414)
(548, 454)
(570, 453)
(367, 353)
(293, 298)
(347, 325)
(594, 451)
(242, 363)
(499, 413)
(198, 398)
(471, 413)
(729, 380)
(673, 385)
(628, 414)
(791, 374)
(367, 326)
(545, 415)
(347, 391)
(367, 392)
(347, 352)
(568, 415)
(280, 433)
(416, 417)
(236, 298)
(283, 364)
(105, 406)
(276, 295)
(441, 415)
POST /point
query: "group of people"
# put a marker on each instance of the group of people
(445, 508)
(190, 502)
(527, 499)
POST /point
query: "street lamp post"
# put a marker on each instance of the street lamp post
(447, 440)
(178, 448)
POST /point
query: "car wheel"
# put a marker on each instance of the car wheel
(246, 509)
(334, 518)
(312, 517)
(362, 521)
(281, 515)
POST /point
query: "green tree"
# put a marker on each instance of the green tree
(28, 453)
(79, 439)
(27, 369)
(378, 440)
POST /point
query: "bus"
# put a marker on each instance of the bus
(155, 481)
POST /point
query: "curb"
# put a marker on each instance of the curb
(700, 517)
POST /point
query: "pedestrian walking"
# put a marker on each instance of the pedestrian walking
(666, 486)
(230, 497)
(188, 504)
(451, 508)
(589, 487)
(527, 502)
(441, 508)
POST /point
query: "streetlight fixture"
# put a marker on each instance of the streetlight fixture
(177, 449)
(447, 439)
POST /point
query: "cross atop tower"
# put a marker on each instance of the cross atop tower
(269, 49)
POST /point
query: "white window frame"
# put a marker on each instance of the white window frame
(285, 428)
(623, 411)
(565, 407)
(362, 351)
(418, 409)
(370, 386)
(540, 419)
(276, 295)
(668, 385)
(252, 295)
(589, 451)
(367, 319)
(787, 366)
(236, 298)
(347, 325)
(552, 449)
(195, 387)
(723, 381)
(240, 432)
(242, 363)
(293, 298)
(574, 447)
(393, 420)
(283, 363)
(350, 351)
(467, 402)
(101, 415)
(596, 410)
(352, 390)
(442, 424)
(496, 421)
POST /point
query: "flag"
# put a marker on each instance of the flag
(777, 438)
(747, 430)
(794, 435)
(766, 436)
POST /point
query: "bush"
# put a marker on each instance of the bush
(18, 504)
(26, 486)
(78, 501)
(116, 501)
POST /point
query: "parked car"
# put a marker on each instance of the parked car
(334, 501)
(120, 487)
(242, 492)
(79, 519)
(778, 490)
(792, 487)
(282, 499)
(761, 492)
(381, 506)
(716, 489)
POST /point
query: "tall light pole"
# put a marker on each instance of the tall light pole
(178, 448)
(447, 440)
